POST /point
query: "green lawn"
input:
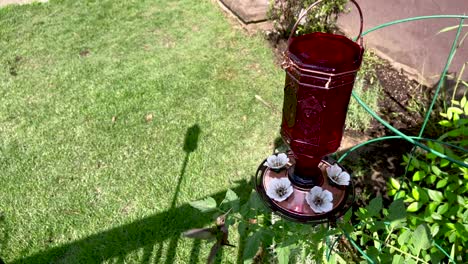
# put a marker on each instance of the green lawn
(96, 99)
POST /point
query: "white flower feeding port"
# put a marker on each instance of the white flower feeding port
(320, 200)
(277, 162)
(279, 189)
(336, 174)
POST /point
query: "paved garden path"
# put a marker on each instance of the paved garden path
(413, 46)
(19, 2)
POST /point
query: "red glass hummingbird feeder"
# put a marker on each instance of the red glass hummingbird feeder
(320, 73)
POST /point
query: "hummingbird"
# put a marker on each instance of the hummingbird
(219, 232)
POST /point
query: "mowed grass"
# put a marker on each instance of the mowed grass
(96, 98)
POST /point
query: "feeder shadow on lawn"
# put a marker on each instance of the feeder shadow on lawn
(4, 236)
(148, 233)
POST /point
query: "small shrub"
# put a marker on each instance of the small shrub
(384, 236)
(284, 13)
(436, 190)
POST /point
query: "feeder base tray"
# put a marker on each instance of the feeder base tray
(295, 206)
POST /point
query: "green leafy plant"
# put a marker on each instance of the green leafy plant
(265, 235)
(436, 189)
(373, 233)
(382, 235)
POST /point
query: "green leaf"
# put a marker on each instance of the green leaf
(255, 201)
(404, 237)
(415, 193)
(436, 170)
(396, 210)
(395, 183)
(361, 213)
(452, 252)
(463, 101)
(431, 156)
(242, 228)
(436, 257)
(423, 196)
(418, 175)
(414, 206)
(377, 225)
(400, 195)
(415, 163)
(432, 207)
(347, 216)
(398, 259)
(436, 216)
(462, 229)
(347, 227)
(442, 183)
(231, 201)
(450, 225)
(452, 187)
(252, 245)
(465, 216)
(451, 197)
(445, 123)
(282, 254)
(251, 208)
(443, 208)
(434, 229)
(374, 206)
(439, 147)
(444, 163)
(449, 115)
(431, 179)
(461, 200)
(452, 235)
(455, 133)
(421, 239)
(206, 205)
(373, 253)
(435, 195)
(456, 110)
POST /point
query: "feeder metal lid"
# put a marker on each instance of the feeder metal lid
(325, 52)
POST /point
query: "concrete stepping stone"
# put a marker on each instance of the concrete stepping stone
(19, 2)
(249, 11)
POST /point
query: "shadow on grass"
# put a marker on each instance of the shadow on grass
(147, 234)
(4, 236)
